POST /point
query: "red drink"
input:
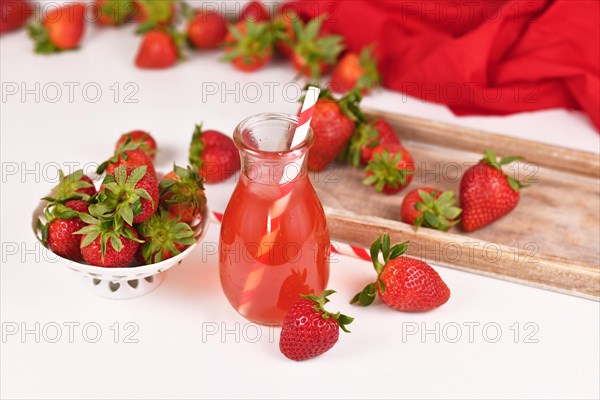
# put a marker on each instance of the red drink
(274, 239)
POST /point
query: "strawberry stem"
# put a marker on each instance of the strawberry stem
(319, 306)
(437, 213)
(388, 252)
(490, 158)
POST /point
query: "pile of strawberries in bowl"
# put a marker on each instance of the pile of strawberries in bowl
(133, 218)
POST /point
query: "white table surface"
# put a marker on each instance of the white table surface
(174, 355)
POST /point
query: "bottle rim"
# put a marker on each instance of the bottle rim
(262, 119)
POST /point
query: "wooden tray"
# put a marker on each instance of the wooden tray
(551, 240)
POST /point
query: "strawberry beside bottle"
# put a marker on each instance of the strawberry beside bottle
(214, 155)
(403, 283)
(309, 330)
(333, 122)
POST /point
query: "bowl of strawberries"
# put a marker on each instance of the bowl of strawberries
(123, 232)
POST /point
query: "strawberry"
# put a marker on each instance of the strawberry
(366, 137)
(390, 169)
(314, 52)
(249, 45)
(430, 208)
(74, 191)
(58, 231)
(254, 11)
(291, 286)
(61, 29)
(129, 155)
(104, 245)
(164, 237)
(206, 30)
(285, 36)
(355, 71)
(403, 283)
(159, 49)
(214, 155)
(309, 330)
(74, 185)
(143, 139)
(182, 195)
(333, 122)
(153, 14)
(78, 205)
(114, 12)
(487, 193)
(129, 195)
(13, 14)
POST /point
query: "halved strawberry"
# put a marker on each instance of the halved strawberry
(315, 52)
(249, 45)
(182, 194)
(164, 237)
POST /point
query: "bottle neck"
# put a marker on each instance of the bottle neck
(273, 169)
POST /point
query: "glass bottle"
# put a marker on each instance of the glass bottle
(274, 243)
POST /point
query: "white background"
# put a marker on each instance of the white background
(172, 357)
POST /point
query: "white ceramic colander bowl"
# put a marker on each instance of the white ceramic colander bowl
(123, 283)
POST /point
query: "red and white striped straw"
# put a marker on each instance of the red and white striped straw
(306, 113)
(279, 206)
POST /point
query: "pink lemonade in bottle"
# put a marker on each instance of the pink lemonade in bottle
(274, 243)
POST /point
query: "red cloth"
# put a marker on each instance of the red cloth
(479, 56)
